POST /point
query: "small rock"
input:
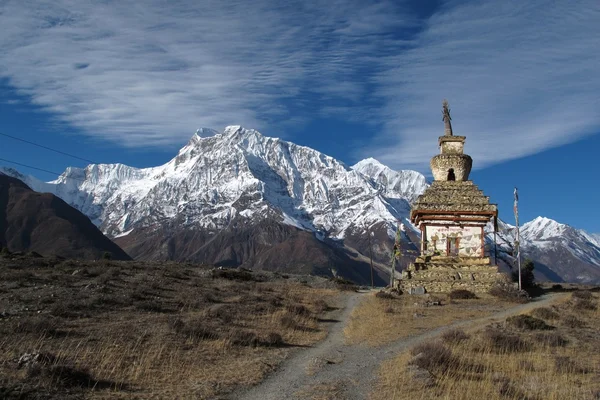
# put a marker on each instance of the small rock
(29, 359)
(421, 375)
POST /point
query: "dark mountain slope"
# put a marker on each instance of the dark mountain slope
(42, 222)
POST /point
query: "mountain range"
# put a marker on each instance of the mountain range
(239, 198)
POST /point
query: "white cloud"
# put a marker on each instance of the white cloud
(149, 73)
(520, 76)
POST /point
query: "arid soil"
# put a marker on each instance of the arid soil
(338, 368)
(107, 329)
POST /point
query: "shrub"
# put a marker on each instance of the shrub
(510, 293)
(566, 365)
(38, 325)
(545, 313)
(272, 339)
(194, 329)
(584, 305)
(462, 294)
(504, 342)
(551, 339)
(151, 306)
(527, 322)
(527, 277)
(298, 309)
(454, 336)
(384, 295)
(321, 306)
(582, 294)
(433, 356)
(5, 251)
(244, 338)
(233, 274)
(221, 311)
(106, 255)
(288, 321)
(573, 322)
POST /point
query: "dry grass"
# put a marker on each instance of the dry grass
(382, 320)
(129, 330)
(504, 361)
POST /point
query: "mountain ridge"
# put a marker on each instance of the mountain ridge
(228, 182)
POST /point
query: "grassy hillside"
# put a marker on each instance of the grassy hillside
(111, 329)
(548, 353)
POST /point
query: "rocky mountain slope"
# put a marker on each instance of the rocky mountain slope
(44, 223)
(240, 198)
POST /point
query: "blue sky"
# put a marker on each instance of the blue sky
(130, 82)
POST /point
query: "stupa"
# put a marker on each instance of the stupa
(451, 215)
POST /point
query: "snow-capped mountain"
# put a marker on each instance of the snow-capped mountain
(239, 173)
(241, 198)
(223, 183)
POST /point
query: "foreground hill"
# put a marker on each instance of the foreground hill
(44, 223)
(75, 329)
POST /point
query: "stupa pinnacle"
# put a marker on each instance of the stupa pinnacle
(451, 164)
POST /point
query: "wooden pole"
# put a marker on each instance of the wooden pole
(371, 256)
(518, 238)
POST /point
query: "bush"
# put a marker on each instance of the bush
(106, 255)
(195, 329)
(509, 293)
(527, 322)
(527, 277)
(62, 376)
(39, 325)
(462, 294)
(272, 339)
(288, 321)
(584, 305)
(321, 306)
(233, 274)
(384, 295)
(298, 309)
(434, 357)
(545, 313)
(504, 342)
(151, 306)
(454, 336)
(564, 364)
(551, 339)
(5, 251)
(573, 322)
(582, 294)
(244, 338)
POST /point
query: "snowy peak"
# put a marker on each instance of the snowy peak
(405, 184)
(542, 228)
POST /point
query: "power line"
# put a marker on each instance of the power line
(47, 148)
(38, 169)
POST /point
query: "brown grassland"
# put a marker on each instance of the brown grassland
(384, 318)
(109, 329)
(549, 353)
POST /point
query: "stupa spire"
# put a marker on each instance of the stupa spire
(446, 118)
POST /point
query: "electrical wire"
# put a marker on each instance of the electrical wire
(48, 148)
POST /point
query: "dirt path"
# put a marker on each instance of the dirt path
(349, 371)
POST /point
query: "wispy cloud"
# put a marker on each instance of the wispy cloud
(149, 73)
(520, 76)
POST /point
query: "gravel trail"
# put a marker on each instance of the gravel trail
(350, 370)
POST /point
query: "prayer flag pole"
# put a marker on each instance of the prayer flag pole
(518, 238)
